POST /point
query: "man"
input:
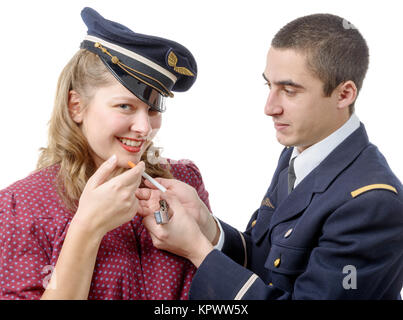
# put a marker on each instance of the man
(331, 223)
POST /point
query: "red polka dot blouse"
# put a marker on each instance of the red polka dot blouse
(33, 225)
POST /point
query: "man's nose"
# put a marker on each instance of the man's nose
(273, 106)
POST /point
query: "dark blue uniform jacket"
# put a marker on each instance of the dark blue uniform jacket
(337, 235)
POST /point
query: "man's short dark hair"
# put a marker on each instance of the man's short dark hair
(336, 51)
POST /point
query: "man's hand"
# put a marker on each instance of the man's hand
(187, 197)
(181, 235)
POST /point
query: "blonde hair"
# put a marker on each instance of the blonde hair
(67, 145)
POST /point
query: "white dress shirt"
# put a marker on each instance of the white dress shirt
(311, 157)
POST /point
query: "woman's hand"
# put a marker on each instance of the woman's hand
(104, 206)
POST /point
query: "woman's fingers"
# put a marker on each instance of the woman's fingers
(108, 203)
(131, 177)
(103, 172)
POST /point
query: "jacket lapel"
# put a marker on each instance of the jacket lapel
(319, 179)
(294, 202)
(282, 190)
(272, 198)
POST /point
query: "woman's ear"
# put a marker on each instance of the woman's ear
(347, 93)
(75, 106)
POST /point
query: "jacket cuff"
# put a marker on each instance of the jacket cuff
(218, 268)
(234, 245)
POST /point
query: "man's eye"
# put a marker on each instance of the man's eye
(267, 84)
(289, 92)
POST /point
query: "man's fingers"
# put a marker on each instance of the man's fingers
(143, 193)
(144, 212)
(103, 172)
(148, 199)
(151, 226)
(172, 200)
(148, 207)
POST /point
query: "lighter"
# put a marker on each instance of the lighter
(162, 216)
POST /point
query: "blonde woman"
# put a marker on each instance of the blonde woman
(70, 230)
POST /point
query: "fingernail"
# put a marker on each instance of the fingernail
(112, 160)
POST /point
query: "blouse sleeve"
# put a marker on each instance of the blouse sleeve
(24, 262)
(186, 171)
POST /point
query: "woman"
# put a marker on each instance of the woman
(70, 229)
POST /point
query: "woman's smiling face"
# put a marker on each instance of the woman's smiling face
(115, 121)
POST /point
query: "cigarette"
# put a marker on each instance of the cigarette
(146, 176)
(161, 216)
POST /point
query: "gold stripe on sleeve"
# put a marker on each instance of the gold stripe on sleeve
(359, 191)
(246, 287)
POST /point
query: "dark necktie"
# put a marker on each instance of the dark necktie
(291, 176)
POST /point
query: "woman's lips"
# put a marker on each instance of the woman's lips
(134, 148)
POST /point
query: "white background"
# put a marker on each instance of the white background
(219, 123)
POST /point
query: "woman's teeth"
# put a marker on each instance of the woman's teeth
(131, 143)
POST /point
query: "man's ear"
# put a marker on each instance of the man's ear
(75, 106)
(346, 94)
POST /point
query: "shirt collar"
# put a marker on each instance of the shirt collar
(310, 158)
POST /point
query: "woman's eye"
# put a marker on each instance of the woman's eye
(124, 107)
(152, 112)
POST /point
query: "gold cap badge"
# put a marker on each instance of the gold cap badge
(173, 60)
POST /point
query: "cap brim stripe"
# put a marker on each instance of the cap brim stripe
(132, 55)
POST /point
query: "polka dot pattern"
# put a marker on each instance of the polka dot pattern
(33, 226)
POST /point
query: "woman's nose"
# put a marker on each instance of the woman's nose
(141, 123)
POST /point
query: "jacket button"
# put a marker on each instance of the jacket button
(287, 234)
(277, 262)
(253, 223)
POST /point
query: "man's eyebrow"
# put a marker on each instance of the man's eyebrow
(285, 83)
(289, 83)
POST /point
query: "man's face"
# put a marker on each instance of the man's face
(301, 113)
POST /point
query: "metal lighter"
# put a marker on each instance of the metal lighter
(162, 216)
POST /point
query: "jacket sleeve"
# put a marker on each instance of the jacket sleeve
(224, 275)
(360, 251)
(362, 238)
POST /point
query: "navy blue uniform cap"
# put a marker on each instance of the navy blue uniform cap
(150, 67)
